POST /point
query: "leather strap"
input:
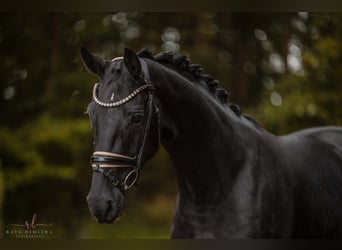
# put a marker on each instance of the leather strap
(112, 154)
(101, 161)
(93, 165)
(106, 158)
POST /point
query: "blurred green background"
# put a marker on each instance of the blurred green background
(285, 69)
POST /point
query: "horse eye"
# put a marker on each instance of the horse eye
(137, 118)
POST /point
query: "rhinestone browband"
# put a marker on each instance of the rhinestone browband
(122, 101)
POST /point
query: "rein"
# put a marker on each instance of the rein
(102, 161)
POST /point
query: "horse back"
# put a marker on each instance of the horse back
(316, 160)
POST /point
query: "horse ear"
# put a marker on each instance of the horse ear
(132, 63)
(93, 63)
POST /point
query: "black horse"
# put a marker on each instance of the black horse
(235, 179)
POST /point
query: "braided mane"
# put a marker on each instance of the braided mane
(194, 71)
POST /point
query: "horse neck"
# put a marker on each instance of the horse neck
(209, 142)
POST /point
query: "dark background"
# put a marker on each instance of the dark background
(282, 68)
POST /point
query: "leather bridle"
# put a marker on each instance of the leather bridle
(102, 162)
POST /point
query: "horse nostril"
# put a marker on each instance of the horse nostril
(109, 203)
(110, 207)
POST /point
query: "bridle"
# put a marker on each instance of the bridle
(102, 161)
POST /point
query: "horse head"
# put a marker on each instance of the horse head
(123, 116)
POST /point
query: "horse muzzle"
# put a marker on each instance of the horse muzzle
(105, 202)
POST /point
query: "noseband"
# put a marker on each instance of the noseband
(102, 161)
